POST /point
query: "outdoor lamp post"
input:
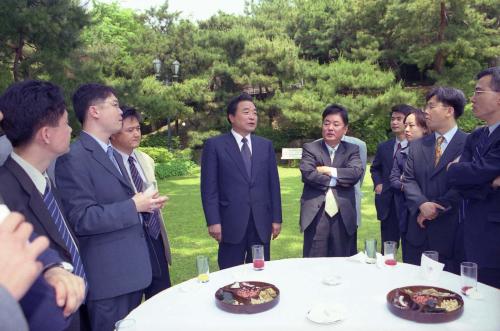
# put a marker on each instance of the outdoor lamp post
(157, 66)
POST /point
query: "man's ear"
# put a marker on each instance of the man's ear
(93, 112)
(43, 134)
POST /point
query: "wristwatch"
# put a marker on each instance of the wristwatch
(66, 266)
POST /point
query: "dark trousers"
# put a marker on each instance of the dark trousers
(327, 237)
(159, 267)
(489, 276)
(231, 255)
(414, 256)
(106, 312)
(389, 227)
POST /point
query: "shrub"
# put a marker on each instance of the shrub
(170, 163)
(159, 139)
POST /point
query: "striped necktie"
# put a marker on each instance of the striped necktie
(151, 220)
(58, 219)
(438, 152)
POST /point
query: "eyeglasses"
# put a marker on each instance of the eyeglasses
(478, 92)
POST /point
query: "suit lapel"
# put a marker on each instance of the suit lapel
(145, 165)
(494, 136)
(451, 152)
(428, 149)
(257, 154)
(338, 160)
(100, 156)
(389, 153)
(35, 202)
(234, 152)
(325, 154)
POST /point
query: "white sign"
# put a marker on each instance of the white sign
(291, 153)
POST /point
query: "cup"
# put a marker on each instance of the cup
(127, 324)
(258, 257)
(468, 275)
(371, 249)
(432, 255)
(390, 250)
(150, 186)
(203, 269)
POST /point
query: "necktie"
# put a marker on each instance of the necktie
(437, 152)
(247, 156)
(57, 218)
(398, 148)
(331, 207)
(152, 221)
(111, 156)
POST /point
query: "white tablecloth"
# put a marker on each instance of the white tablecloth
(191, 305)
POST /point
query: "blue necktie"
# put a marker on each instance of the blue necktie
(247, 157)
(111, 156)
(151, 221)
(57, 218)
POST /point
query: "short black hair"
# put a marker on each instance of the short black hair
(86, 95)
(130, 112)
(29, 105)
(233, 103)
(450, 96)
(495, 77)
(336, 109)
(403, 109)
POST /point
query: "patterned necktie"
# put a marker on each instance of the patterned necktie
(151, 220)
(438, 152)
(111, 156)
(247, 156)
(57, 218)
(331, 207)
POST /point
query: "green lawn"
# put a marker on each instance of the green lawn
(188, 233)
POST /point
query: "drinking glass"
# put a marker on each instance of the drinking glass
(371, 249)
(258, 257)
(468, 274)
(203, 269)
(390, 250)
(432, 255)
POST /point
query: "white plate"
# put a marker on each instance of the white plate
(326, 313)
(332, 280)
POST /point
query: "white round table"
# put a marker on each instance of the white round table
(362, 292)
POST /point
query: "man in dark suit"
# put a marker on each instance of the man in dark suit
(475, 176)
(330, 168)
(385, 200)
(240, 187)
(103, 210)
(432, 203)
(36, 122)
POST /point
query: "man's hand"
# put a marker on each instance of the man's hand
(454, 161)
(276, 230)
(70, 289)
(215, 231)
(324, 170)
(430, 210)
(378, 188)
(147, 202)
(420, 220)
(18, 265)
(496, 183)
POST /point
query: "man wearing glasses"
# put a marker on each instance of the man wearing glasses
(476, 176)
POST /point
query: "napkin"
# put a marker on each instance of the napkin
(431, 270)
(381, 259)
(360, 257)
(325, 313)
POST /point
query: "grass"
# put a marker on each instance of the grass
(187, 229)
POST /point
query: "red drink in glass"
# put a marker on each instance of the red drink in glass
(391, 262)
(258, 264)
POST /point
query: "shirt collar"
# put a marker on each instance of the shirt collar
(403, 142)
(493, 127)
(238, 136)
(38, 179)
(124, 155)
(448, 135)
(331, 149)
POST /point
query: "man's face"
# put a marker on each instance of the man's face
(436, 113)
(244, 121)
(333, 129)
(110, 114)
(397, 123)
(129, 137)
(485, 101)
(60, 135)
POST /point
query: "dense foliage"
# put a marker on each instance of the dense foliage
(294, 56)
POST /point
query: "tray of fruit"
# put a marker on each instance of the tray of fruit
(248, 297)
(425, 304)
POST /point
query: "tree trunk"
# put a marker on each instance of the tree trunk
(440, 56)
(18, 56)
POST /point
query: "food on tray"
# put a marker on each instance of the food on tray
(426, 300)
(244, 293)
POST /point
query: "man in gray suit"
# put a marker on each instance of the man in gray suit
(363, 154)
(432, 202)
(330, 168)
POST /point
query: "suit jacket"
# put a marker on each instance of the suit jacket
(98, 202)
(229, 195)
(397, 187)
(363, 154)
(11, 315)
(482, 212)
(148, 167)
(349, 171)
(422, 182)
(381, 171)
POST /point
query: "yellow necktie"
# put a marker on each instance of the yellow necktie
(331, 207)
(437, 152)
